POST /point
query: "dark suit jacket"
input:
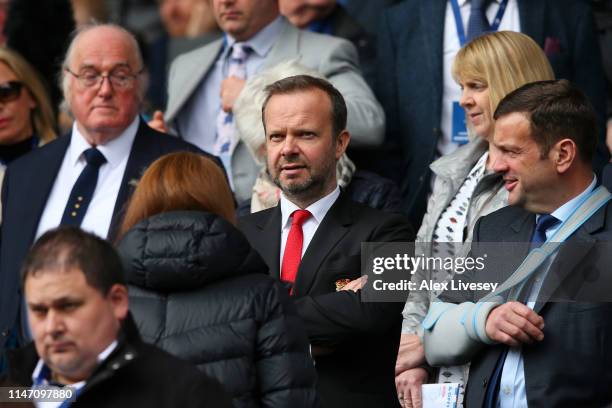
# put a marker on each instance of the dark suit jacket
(368, 12)
(27, 184)
(359, 372)
(606, 177)
(343, 25)
(410, 77)
(571, 367)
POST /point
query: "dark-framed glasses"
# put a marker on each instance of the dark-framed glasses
(119, 77)
(9, 91)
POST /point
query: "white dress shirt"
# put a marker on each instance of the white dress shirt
(196, 122)
(451, 90)
(100, 211)
(512, 392)
(318, 209)
(76, 386)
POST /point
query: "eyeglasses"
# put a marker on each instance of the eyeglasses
(119, 77)
(9, 91)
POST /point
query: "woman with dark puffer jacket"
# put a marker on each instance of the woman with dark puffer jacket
(199, 291)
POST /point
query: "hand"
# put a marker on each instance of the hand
(411, 353)
(230, 89)
(356, 284)
(408, 385)
(157, 122)
(513, 324)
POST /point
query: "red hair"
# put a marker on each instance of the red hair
(180, 181)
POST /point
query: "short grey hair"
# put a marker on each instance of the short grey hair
(64, 80)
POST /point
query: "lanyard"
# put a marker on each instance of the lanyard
(588, 206)
(459, 20)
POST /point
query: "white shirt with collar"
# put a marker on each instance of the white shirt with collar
(451, 91)
(196, 121)
(100, 210)
(512, 393)
(318, 209)
(76, 386)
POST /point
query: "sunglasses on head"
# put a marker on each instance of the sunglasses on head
(9, 91)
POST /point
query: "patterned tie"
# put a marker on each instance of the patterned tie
(225, 120)
(83, 188)
(478, 23)
(293, 247)
(544, 223)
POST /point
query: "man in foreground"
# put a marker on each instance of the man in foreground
(84, 337)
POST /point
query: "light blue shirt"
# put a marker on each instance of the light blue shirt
(197, 121)
(512, 392)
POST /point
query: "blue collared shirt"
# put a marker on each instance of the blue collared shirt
(42, 373)
(512, 392)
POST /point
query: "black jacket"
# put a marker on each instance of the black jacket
(606, 178)
(135, 374)
(360, 337)
(201, 292)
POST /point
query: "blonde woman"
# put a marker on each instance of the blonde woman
(465, 187)
(26, 117)
(25, 109)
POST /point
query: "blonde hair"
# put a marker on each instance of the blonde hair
(180, 181)
(42, 117)
(503, 61)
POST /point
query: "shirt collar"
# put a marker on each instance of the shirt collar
(262, 42)
(42, 372)
(565, 211)
(318, 209)
(114, 151)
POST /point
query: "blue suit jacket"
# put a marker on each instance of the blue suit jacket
(27, 184)
(410, 76)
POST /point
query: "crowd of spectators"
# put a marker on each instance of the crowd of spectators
(188, 185)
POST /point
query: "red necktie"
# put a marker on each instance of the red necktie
(293, 247)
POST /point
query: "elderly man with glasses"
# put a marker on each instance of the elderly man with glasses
(85, 178)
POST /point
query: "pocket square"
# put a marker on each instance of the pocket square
(340, 283)
(552, 46)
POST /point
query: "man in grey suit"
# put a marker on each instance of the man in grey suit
(201, 82)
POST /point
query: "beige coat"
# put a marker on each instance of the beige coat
(450, 171)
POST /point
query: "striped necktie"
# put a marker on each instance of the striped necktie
(226, 127)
